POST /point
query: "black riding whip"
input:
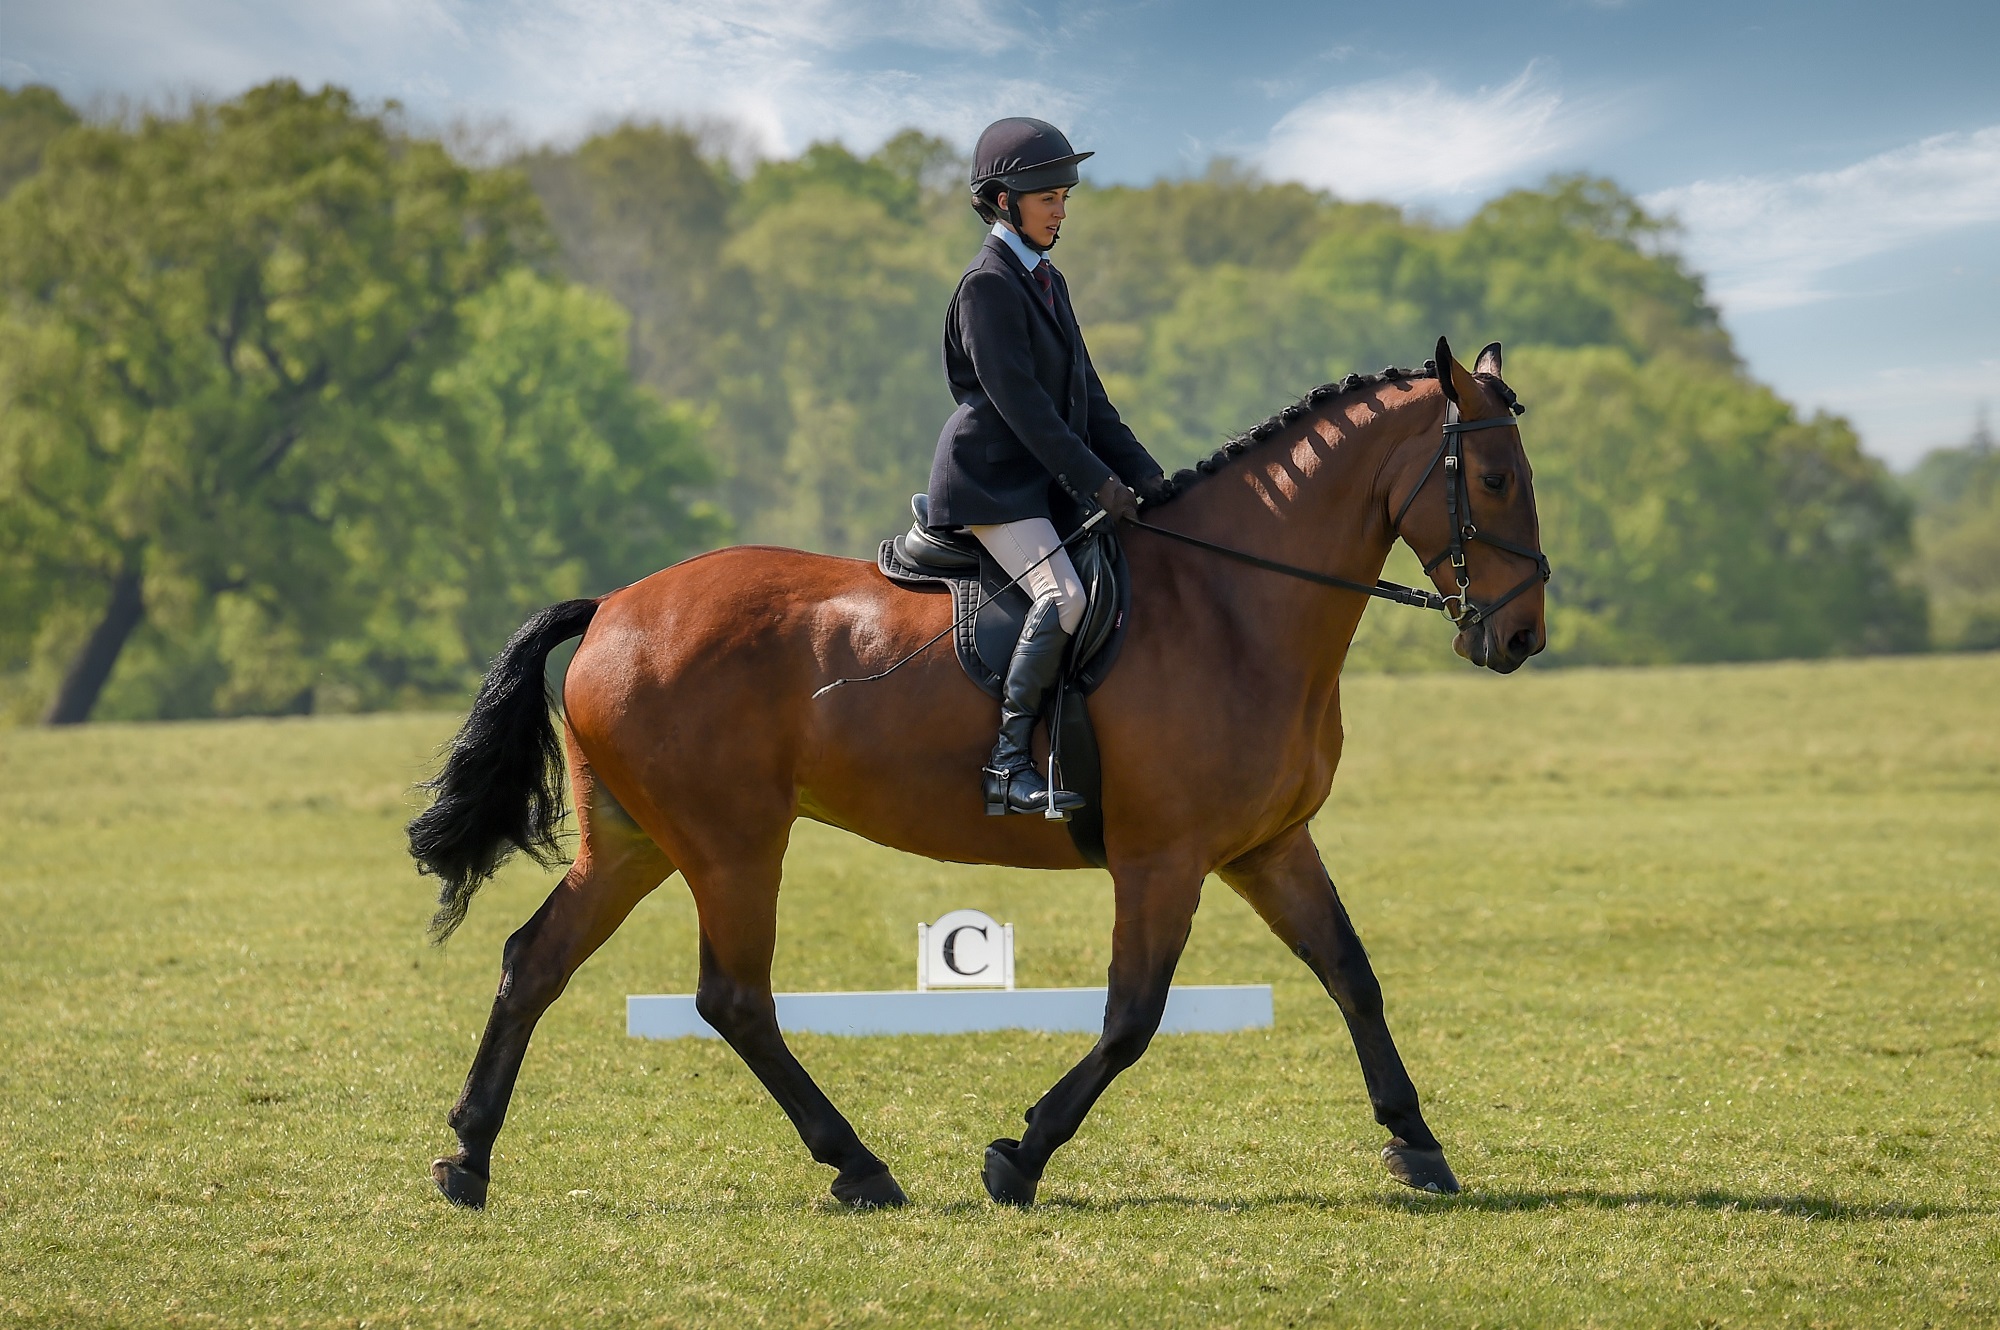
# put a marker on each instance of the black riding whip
(1089, 524)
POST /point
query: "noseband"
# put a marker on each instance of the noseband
(1458, 512)
(1458, 515)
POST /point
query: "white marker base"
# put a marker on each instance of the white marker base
(1198, 1009)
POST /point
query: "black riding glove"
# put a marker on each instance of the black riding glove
(1119, 503)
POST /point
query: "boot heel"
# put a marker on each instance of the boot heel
(994, 786)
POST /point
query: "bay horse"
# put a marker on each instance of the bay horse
(693, 741)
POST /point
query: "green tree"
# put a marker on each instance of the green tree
(1691, 516)
(545, 473)
(29, 118)
(284, 414)
(1957, 492)
(205, 321)
(642, 212)
(1690, 513)
(1580, 263)
(798, 309)
(851, 289)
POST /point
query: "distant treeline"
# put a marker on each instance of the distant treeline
(299, 412)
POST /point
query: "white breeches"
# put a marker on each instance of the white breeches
(1016, 546)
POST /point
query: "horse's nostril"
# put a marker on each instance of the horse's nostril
(1524, 643)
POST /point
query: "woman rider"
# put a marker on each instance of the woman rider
(1034, 440)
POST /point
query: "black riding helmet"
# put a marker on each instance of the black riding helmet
(1020, 155)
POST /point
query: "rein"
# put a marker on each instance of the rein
(1457, 501)
(1395, 591)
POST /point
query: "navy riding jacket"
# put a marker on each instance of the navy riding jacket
(1034, 434)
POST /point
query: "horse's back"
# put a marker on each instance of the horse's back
(743, 599)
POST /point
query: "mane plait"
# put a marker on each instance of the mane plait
(1186, 478)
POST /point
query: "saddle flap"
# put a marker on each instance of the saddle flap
(989, 623)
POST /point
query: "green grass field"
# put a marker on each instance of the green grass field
(1696, 969)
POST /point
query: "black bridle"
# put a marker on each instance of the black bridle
(1458, 516)
(1458, 512)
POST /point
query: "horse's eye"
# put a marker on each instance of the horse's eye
(1494, 482)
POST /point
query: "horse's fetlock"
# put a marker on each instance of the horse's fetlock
(473, 1126)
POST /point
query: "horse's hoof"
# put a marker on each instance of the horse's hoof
(876, 1191)
(1005, 1181)
(460, 1185)
(1423, 1169)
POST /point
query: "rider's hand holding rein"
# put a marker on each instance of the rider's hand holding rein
(1117, 500)
(1035, 440)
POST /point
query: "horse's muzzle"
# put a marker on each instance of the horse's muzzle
(1482, 645)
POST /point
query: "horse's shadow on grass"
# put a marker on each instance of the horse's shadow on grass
(1800, 1206)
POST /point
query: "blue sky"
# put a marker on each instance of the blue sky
(1836, 166)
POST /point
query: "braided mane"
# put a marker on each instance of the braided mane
(1182, 481)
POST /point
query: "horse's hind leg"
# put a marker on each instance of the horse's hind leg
(616, 866)
(738, 905)
(1286, 883)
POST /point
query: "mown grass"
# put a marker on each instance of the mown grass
(1696, 969)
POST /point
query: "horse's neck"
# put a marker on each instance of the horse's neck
(1313, 495)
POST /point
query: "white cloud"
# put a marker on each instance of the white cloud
(1420, 141)
(1905, 411)
(790, 70)
(1767, 241)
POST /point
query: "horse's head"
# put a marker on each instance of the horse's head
(1466, 505)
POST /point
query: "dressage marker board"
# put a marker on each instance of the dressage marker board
(1195, 1009)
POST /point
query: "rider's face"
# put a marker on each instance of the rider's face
(1042, 214)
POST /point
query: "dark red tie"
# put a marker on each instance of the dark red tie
(1045, 279)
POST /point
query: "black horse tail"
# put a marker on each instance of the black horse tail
(501, 788)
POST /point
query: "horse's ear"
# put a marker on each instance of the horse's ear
(1489, 360)
(1457, 384)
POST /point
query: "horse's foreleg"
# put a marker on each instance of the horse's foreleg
(616, 866)
(738, 907)
(1287, 884)
(1156, 907)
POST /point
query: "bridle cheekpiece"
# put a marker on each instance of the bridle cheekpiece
(1458, 515)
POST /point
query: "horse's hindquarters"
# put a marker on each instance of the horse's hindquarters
(692, 698)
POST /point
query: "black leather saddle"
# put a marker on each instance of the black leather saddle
(928, 558)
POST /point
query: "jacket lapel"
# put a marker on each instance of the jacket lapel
(1034, 289)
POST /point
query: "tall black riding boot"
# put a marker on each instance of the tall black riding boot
(1012, 783)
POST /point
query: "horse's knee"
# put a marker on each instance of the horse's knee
(1128, 1034)
(733, 1009)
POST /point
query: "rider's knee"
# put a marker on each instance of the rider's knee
(1070, 605)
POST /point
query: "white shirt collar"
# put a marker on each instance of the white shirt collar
(1028, 257)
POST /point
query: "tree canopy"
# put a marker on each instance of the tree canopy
(298, 411)
(1957, 493)
(271, 372)
(1691, 514)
